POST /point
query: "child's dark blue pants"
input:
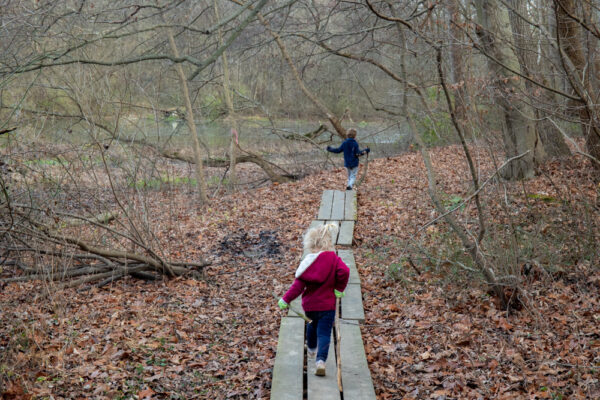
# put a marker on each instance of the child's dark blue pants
(318, 332)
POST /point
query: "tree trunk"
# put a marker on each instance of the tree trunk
(519, 132)
(457, 63)
(233, 125)
(189, 117)
(569, 35)
(552, 141)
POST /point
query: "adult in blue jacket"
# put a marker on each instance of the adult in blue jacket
(351, 154)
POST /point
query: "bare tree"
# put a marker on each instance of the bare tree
(552, 140)
(581, 71)
(519, 134)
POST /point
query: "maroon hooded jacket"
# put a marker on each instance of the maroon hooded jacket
(316, 278)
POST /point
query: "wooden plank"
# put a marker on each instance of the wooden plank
(326, 205)
(337, 211)
(323, 387)
(347, 257)
(346, 233)
(289, 362)
(356, 377)
(297, 304)
(315, 223)
(352, 305)
(350, 206)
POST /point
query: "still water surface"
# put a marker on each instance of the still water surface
(255, 135)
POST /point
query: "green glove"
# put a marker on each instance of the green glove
(338, 294)
(282, 304)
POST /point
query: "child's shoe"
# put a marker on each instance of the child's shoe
(311, 352)
(348, 187)
(320, 368)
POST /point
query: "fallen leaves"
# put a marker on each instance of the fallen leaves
(145, 394)
(427, 336)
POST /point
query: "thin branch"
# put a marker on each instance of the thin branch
(466, 200)
(229, 41)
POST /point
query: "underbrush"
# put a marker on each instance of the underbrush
(431, 326)
(541, 239)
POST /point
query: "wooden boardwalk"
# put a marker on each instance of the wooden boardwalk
(293, 373)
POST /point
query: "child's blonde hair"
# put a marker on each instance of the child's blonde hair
(351, 133)
(320, 238)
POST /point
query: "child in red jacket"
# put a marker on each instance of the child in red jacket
(321, 277)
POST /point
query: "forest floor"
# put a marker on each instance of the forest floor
(431, 332)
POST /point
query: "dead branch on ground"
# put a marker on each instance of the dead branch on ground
(45, 249)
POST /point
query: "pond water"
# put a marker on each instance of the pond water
(256, 135)
(261, 135)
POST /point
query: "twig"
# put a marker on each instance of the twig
(7, 130)
(462, 203)
(301, 315)
(338, 338)
(220, 181)
(412, 264)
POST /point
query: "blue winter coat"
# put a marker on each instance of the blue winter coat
(351, 152)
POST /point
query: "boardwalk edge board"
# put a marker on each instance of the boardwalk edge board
(352, 306)
(346, 233)
(326, 205)
(289, 363)
(356, 376)
(347, 257)
(350, 207)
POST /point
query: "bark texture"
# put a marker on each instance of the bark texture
(519, 133)
(580, 72)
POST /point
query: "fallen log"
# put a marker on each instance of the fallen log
(224, 162)
(57, 276)
(98, 277)
(102, 218)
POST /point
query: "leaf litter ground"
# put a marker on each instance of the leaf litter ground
(431, 330)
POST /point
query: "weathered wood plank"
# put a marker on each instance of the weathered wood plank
(346, 233)
(347, 257)
(337, 211)
(356, 378)
(350, 213)
(287, 372)
(323, 387)
(315, 223)
(297, 304)
(352, 305)
(326, 205)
